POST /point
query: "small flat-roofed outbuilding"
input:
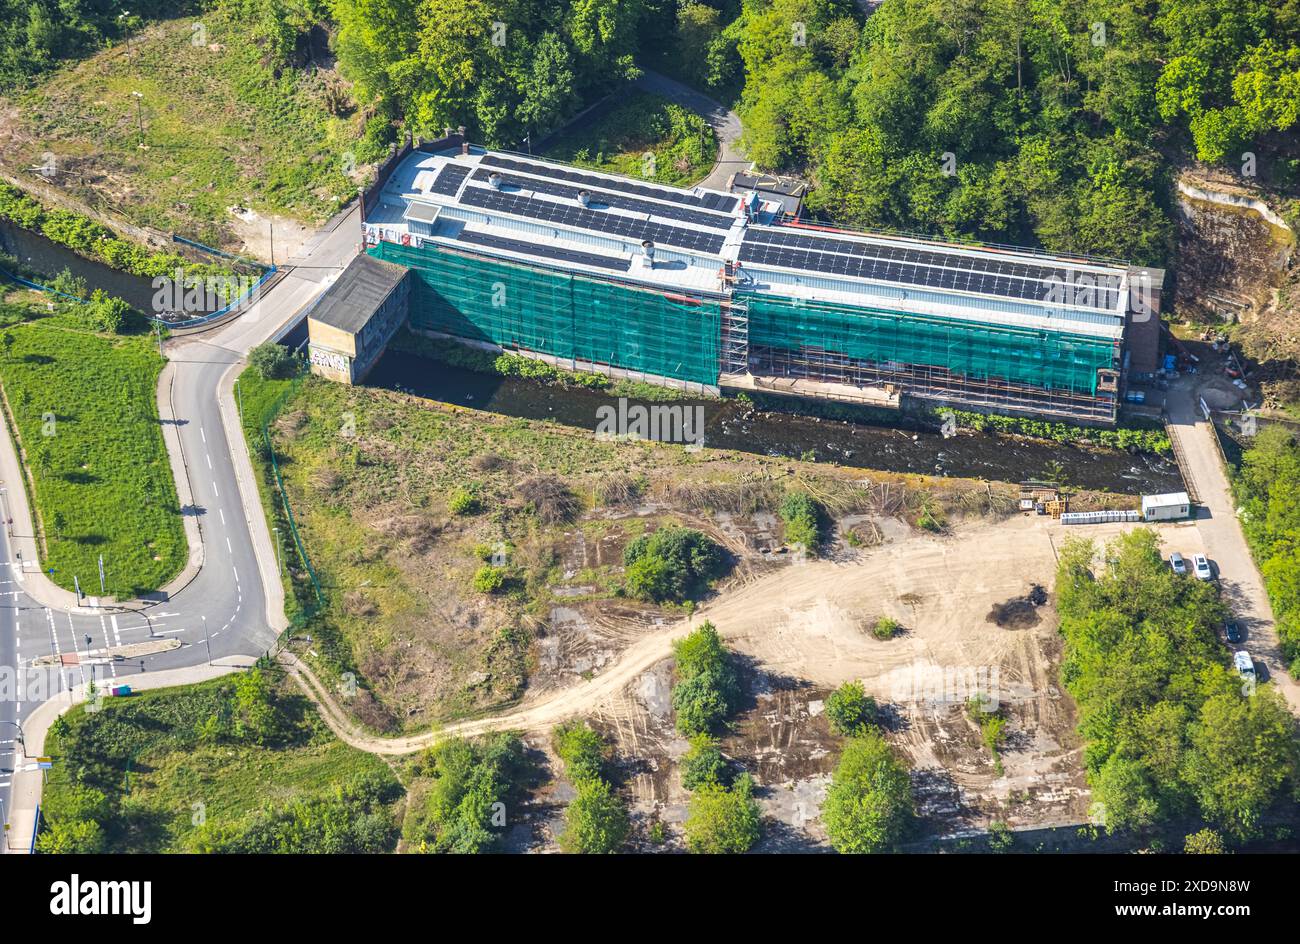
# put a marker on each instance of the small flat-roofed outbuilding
(356, 317)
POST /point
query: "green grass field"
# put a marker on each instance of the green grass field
(171, 781)
(222, 130)
(618, 140)
(88, 425)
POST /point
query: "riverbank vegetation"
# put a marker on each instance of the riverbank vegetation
(94, 241)
(1170, 731)
(1268, 490)
(186, 770)
(85, 405)
(1150, 439)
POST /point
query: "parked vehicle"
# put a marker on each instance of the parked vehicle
(1244, 663)
(1135, 396)
(1201, 568)
(1178, 564)
(1232, 631)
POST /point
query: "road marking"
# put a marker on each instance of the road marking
(215, 493)
(55, 650)
(223, 515)
(203, 434)
(117, 635)
(209, 458)
(228, 547)
(112, 664)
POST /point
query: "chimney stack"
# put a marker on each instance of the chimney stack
(648, 253)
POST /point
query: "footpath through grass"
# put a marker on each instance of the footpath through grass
(238, 764)
(619, 140)
(87, 415)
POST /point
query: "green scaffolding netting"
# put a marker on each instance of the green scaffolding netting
(568, 316)
(1046, 359)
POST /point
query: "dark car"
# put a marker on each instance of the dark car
(1232, 630)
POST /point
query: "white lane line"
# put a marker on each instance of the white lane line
(223, 515)
(228, 547)
(204, 435)
(215, 493)
(76, 648)
(112, 663)
(117, 635)
(209, 458)
(55, 650)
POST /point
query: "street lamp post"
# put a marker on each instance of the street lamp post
(279, 566)
(207, 640)
(139, 117)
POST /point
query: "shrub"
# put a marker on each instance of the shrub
(708, 690)
(551, 500)
(802, 516)
(465, 501)
(595, 822)
(886, 628)
(672, 564)
(703, 763)
(850, 710)
(273, 362)
(489, 579)
(581, 750)
(721, 820)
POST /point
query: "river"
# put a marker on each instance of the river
(49, 258)
(731, 424)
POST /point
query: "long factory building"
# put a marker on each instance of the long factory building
(703, 290)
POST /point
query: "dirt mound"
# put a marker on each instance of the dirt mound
(1018, 612)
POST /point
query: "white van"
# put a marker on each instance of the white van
(1244, 663)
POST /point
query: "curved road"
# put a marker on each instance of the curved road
(232, 609)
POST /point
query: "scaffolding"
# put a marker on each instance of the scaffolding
(989, 366)
(570, 317)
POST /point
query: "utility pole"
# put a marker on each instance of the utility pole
(271, 227)
(101, 575)
(158, 327)
(207, 640)
(279, 567)
(239, 393)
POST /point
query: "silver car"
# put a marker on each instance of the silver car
(1178, 564)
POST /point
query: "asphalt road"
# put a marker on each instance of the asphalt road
(222, 612)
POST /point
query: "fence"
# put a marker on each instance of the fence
(1101, 517)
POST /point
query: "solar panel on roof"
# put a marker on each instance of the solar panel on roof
(581, 218)
(932, 267)
(708, 201)
(544, 251)
(449, 180)
(674, 212)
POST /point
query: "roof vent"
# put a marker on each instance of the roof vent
(495, 180)
(648, 253)
(584, 197)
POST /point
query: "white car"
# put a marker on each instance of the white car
(1201, 568)
(1177, 563)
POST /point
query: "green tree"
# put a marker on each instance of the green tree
(596, 820)
(869, 805)
(703, 763)
(850, 710)
(272, 361)
(721, 820)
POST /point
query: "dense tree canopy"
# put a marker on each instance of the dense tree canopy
(1169, 729)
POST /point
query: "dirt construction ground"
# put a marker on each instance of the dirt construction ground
(804, 628)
